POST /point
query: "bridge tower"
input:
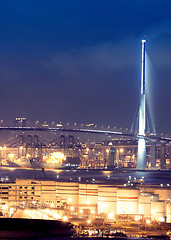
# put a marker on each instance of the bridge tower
(141, 159)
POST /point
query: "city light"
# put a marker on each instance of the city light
(81, 211)
(57, 216)
(137, 218)
(55, 157)
(130, 202)
(92, 211)
(72, 208)
(47, 211)
(86, 175)
(148, 221)
(111, 215)
(65, 218)
(161, 219)
(5, 207)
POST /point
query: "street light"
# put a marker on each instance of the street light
(72, 208)
(121, 150)
(81, 211)
(92, 211)
(65, 218)
(110, 215)
(148, 221)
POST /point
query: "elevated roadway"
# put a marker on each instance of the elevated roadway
(92, 131)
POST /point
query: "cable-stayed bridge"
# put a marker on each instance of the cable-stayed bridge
(150, 137)
(140, 134)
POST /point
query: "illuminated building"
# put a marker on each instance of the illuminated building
(107, 199)
(20, 122)
(89, 199)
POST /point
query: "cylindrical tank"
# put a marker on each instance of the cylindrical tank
(164, 193)
(88, 195)
(68, 191)
(107, 198)
(145, 205)
(169, 212)
(127, 201)
(158, 211)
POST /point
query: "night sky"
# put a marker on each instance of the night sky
(80, 60)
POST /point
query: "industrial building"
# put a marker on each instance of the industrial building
(90, 198)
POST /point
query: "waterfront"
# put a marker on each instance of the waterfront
(95, 180)
(118, 176)
(97, 201)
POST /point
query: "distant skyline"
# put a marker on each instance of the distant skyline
(80, 60)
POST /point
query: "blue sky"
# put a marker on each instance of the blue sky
(79, 60)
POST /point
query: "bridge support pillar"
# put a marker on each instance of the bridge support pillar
(141, 159)
(112, 156)
(153, 155)
(163, 157)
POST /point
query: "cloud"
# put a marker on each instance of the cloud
(92, 77)
(159, 29)
(108, 57)
(102, 58)
(159, 35)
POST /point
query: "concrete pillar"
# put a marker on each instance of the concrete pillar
(108, 157)
(153, 155)
(163, 157)
(141, 159)
(112, 155)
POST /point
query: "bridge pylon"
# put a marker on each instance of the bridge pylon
(141, 158)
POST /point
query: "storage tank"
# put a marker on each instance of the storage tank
(107, 198)
(145, 204)
(169, 212)
(88, 195)
(164, 193)
(127, 201)
(69, 192)
(158, 211)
